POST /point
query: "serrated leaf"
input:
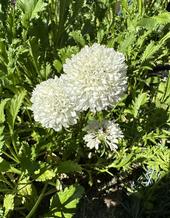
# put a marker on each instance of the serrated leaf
(45, 71)
(124, 162)
(58, 65)
(45, 176)
(153, 47)
(28, 164)
(14, 108)
(69, 166)
(28, 192)
(37, 7)
(140, 100)
(24, 187)
(163, 18)
(63, 204)
(160, 91)
(1, 137)
(126, 44)
(2, 106)
(8, 203)
(67, 52)
(2, 119)
(78, 38)
(153, 22)
(30, 9)
(149, 51)
(166, 97)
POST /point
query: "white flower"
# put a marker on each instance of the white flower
(106, 132)
(96, 77)
(51, 105)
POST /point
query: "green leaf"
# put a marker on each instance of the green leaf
(14, 108)
(27, 191)
(45, 71)
(140, 100)
(77, 5)
(63, 204)
(58, 65)
(37, 6)
(163, 18)
(2, 106)
(30, 9)
(27, 159)
(149, 51)
(67, 52)
(162, 97)
(140, 7)
(157, 159)
(25, 187)
(8, 203)
(166, 97)
(1, 137)
(153, 22)
(45, 176)
(69, 166)
(2, 119)
(154, 47)
(4, 165)
(124, 160)
(34, 53)
(125, 7)
(78, 38)
(126, 44)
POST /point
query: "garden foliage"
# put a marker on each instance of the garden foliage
(41, 168)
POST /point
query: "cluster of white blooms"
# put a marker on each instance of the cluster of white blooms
(93, 79)
(51, 106)
(106, 132)
(96, 77)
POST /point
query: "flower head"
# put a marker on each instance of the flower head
(51, 105)
(96, 77)
(106, 132)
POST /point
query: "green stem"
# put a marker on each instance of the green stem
(31, 213)
(10, 156)
(14, 170)
(13, 153)
(50, 192)
(14, 145)
(3, 179)
(6, 190)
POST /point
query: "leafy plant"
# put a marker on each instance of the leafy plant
(41, 167)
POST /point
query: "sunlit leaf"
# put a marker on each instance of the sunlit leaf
(69, 166)
(64, 202)
(8, 203)
(14, 108)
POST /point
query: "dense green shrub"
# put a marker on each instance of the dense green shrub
(39, 166)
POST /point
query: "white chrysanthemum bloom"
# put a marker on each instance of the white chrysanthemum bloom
(52, 106)
(107, 132)
(96, 77)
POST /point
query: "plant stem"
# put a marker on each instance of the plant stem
(14, 170)
(3, 179)
(13, 153)
(31, 213)
(14, 145)
(10, 156)
(50, 192)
